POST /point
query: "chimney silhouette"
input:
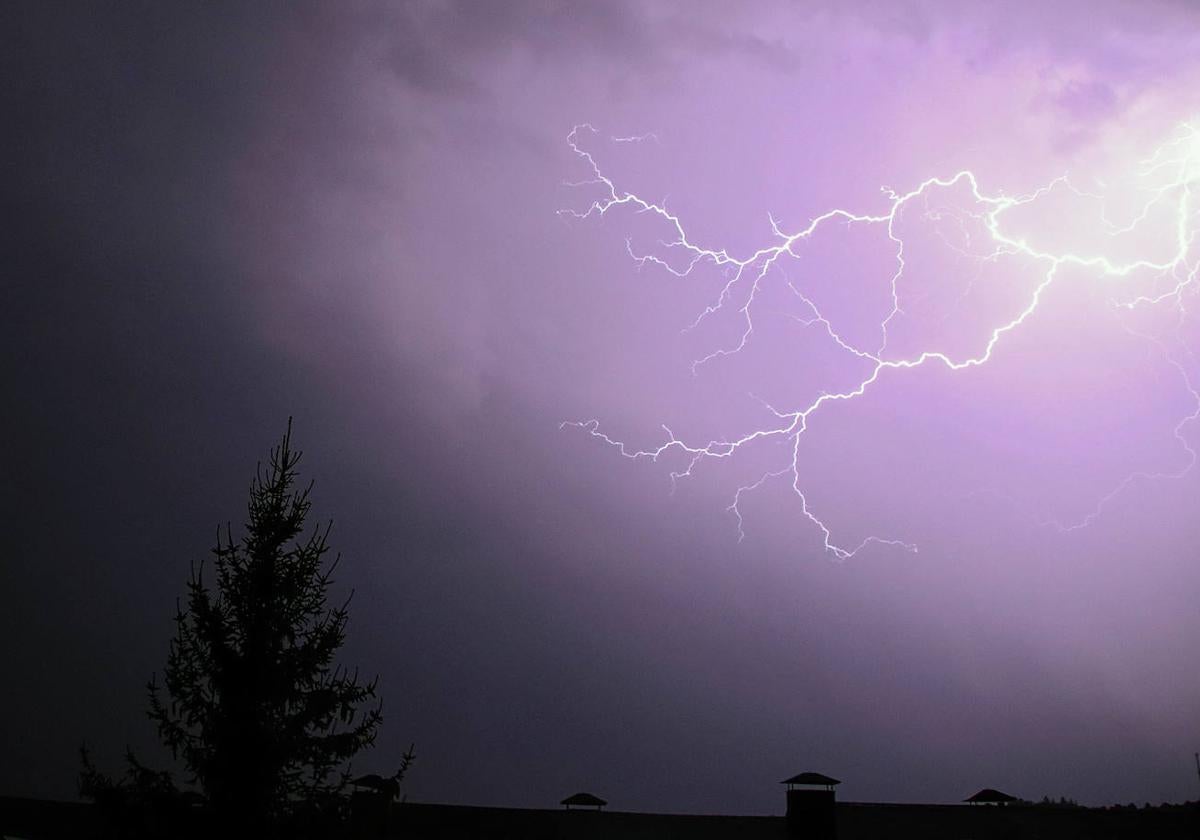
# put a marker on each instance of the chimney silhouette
(811, 806)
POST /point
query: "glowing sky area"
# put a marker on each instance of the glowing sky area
(1004, 272)
(702, 392)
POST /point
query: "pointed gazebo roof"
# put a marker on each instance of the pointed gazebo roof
(811, 779)
(990, 796)
(584, 800)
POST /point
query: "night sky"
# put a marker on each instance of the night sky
(218, 216)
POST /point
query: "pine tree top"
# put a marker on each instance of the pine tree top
(252, 700)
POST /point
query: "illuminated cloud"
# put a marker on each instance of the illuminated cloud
(1139, 250)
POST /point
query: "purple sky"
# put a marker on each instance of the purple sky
(353, 214)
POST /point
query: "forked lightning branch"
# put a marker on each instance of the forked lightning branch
(1165, 183)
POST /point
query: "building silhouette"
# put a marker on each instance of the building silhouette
(812, 813)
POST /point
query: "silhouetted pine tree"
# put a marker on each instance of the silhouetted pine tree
(255, 705)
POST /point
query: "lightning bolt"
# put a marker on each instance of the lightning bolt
(1167, 179)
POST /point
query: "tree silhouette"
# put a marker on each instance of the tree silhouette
(254, 703)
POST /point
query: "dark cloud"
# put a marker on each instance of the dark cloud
(437, 48)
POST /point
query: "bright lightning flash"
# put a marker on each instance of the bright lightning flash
(1166, 182)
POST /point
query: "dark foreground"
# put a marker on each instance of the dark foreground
(36, 819)
(855, 821)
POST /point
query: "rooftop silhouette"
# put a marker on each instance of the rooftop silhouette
(811, 779)
(990, 796)
(584, 800)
